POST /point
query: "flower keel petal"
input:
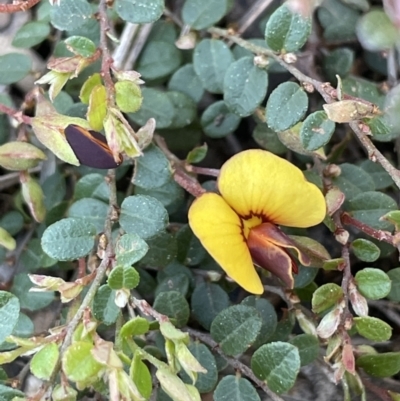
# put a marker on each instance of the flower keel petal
(219, 229)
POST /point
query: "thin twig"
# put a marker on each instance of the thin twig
(17, 6)
(126, 40)
(252, 14)
(138, 45)
(236, 364)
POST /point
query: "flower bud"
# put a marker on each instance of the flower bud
(20, 156)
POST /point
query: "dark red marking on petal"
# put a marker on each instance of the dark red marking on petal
(90, 147)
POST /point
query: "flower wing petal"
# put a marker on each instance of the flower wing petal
(219, 229)
(256, 182)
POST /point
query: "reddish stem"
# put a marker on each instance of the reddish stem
(17, 6)
(212, 172)
(21, 118)
(188, 183)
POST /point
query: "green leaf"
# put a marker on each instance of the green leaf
(287, 31)
(381, 178)
(373, 328)
(152, 169)
(316, 130)
(278, 364)
(31, 301)
(207, 301)
(286, 106)
(135, 327)
(139, 11)
(14, 67)
(104, 307)
(9, 394)
(157, 105)
(24, 326)
(236, 328)
(13, 222)
(376, 32)
(174, 305)
(369, 207)
(205, 381)
(141, 376)
(9, 313)
(54, 189)
(268, 317)
(81, 46)
(201, 14)
(185, 109)
(179, 282)
(365, 250)
(92, 186)
(128, 96)
(129, 249)
(143, 215)
(197, 154)
(33, 256)
(338, 62)
(190, 250)
(70, 15)
(6, 240)
(92, 211)
(394, 275)
(123, 277)
(380, 365)
(79, 364)
(31, 34)
(44, 362)
(235, 388)
(162, 250)
(211, 60)
(268, 139)
(158, 59)
(353, 180)
(308, 346)
(304, 277)
(326, 296)
(373, 283)
(218, 121)
(245, 86)
(186, 81)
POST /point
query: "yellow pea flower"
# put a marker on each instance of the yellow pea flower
(259, 191)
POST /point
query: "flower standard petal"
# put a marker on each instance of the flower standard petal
(220, 231)
(256, 182)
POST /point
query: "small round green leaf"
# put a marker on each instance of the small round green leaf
(128, 96)
(185, 109)
(174, 305)
(200, 14)
(92, 211)
(70, 15)
(104, 308)
(9, 313)
(9, 394)
(130, 248)
(44, 361)
(14, 67)
(373, 328)
(369, 207)
(186, 81)
(78, 362)
(287, 31)
(92, 186)
(178, 282)
(373, 283)
(380, 365)
(69, 239)
(286, 106)
(278, 364)
(152, 169)
(326, 296)
(158, 59)
(316, 130)
(211, 60)
(157, 105)
(143, 215)
(31, 34)
(308, 346)
(268, 316)
(365, 250)
(394, 275)
(245, 86)
(338, 62)
(236, 328)
(376, 32)
(162, 250)
(218, 121)
(135, 327)
(81, 46)
(235, 388)
(268, 139)
(123, 277)
(141, 376)
(139, 11)
(381, 178)
(207, 301)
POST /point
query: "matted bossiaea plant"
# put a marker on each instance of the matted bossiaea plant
(239, 227)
